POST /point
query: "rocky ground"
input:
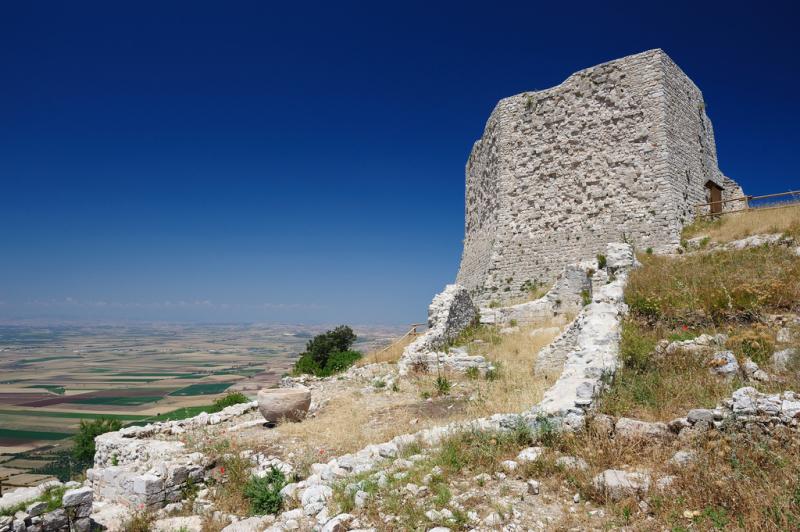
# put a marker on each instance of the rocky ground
(384, 449)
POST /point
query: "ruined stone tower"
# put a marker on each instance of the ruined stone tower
(622, 151)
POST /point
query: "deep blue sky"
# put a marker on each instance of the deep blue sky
(303, 161)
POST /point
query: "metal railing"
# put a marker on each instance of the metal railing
(748, 203)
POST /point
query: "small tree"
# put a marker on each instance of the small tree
(328, 353)
(321, 346)
(87, 431)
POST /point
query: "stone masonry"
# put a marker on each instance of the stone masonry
(622, 151)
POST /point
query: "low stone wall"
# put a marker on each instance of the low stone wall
(565, 297)
(450, 313)
(72, 516)
(133, 468)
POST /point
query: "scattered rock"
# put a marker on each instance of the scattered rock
(635, 429)
(617, 484)
(785, 335)
(572, 463)
(509, 466)
(782, 358)
(665, 482)
(530, 454)
(724, 363)
(700, 414)
(683, 458)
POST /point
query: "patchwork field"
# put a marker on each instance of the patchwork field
(51, 377)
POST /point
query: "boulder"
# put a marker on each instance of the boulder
(683, 458)
(572, 463)
(284, 403)
(700, 414)
(530, 454)
(781, 359)
(724, 363)
(635, 429)
(617, 484)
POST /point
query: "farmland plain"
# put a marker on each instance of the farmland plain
(53, 376)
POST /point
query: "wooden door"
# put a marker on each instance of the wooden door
(715, 197)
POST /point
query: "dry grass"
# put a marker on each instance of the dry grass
(515, 386)
(714, 288)
(660, 389)
(727, 292)
(354, 417)
(740, 480)
(353, 420)
(743, 224)
(390, 354)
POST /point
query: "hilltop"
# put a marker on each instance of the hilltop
(646, 378)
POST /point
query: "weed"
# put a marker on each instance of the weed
(756, 343)
(264, 492)
(472, 373)
(442, 385)
(139, 521)
(230, 399)
(601, 261)
(586, 298)
(711, 289)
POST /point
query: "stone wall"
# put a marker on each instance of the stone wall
(617, 152)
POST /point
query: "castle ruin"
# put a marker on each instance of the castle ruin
(622, 151)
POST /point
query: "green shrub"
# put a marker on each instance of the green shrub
(232, 398)
(323, 345)
(601, 261)
(472, 373)
(341, 361)
(306, 364)
(83, 450)
(328, 353)
(264, 492)
(586, 298)
(442, 385)
(53, 496)
(636, 346)
(756, 343)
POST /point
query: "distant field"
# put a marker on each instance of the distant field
(8, 435)
(203, 389)
(118, 401)
(53, 377)
(68, 415)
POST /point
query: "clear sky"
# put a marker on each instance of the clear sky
(304, 161)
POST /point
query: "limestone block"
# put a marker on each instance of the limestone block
(291, 404)
(78, 497)
(633, 428)
(617, 484)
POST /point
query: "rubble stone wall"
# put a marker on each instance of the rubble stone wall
(618, 152)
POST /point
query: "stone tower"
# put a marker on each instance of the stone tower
(622, 151)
